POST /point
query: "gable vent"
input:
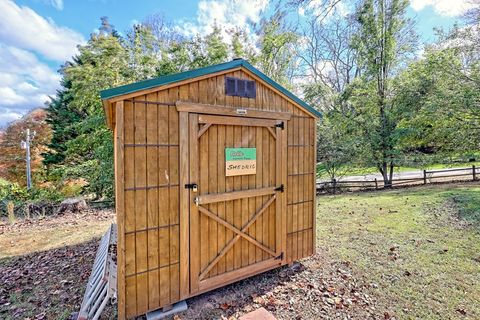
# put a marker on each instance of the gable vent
(240, 87)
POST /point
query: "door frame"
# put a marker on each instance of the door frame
(190, 116)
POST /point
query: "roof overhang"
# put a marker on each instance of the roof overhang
(113, 95)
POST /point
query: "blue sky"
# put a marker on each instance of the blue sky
(37, 36)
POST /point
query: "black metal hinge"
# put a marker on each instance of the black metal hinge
(279, 257)
(280, 125)
(281, 188)
(192, 186)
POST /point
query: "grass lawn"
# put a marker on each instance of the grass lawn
(322, 174)
(405, 254)
(419, 247)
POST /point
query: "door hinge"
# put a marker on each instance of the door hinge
(280, 125)
(192, 186)
(279, 257)
(281, 188)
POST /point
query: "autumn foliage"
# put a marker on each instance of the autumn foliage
(12, 157)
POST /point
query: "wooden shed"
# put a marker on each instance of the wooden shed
(215, 182)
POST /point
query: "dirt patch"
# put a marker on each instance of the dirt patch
(40, 234)
(68, 219)
(315, 288)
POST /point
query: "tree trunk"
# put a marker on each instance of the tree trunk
(386, 170)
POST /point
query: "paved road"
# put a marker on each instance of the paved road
(407, 174)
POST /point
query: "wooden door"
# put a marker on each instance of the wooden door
(236, 227)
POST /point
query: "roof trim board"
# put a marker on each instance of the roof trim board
(178, 77)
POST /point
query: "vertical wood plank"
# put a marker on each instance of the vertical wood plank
(130, 264)
(194, 214)
(244, 202)
(129, 167)
(229, 206)
(120, 205)
(174, 280)
(184, 207)
(141, 250)
(251, 201)
(141, 245)
(153, 289)
(237, 204)
(278, 200)
(272, 182)
(140, 164)
(212, 188)
(283, 197)
(265, 178)
(130, 297)
(203, 147)
(258, 184)
(142, 293)
(152, 201)
(221, 189)
(165, 285)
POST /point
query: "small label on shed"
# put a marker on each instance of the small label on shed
(240, 161)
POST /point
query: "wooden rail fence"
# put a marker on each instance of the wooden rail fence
(432, 176)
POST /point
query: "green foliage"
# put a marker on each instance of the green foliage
(143, 58)
(380, 46)
(18, 195)
(443, 104)
(277, 44)
(10, 191)
(82, 147)
(81, 150)
(335, 149)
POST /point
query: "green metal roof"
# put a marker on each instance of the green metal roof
(160, 81)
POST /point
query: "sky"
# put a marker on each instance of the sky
(38, 36)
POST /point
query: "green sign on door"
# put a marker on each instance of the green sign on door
(240, 161)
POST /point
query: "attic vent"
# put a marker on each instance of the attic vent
(240, 87)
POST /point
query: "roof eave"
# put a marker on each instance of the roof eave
(109, 96)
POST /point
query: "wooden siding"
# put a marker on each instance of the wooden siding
(150, 197)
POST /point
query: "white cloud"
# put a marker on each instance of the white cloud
(450, 8)
(57, 4)
(25, 82)
(24, 28)
(7, 115)
(228, 14)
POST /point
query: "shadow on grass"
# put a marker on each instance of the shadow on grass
(467, 203)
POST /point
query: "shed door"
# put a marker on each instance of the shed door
(235, 216)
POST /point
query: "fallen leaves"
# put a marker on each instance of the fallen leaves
(313, 289)
(47, 284)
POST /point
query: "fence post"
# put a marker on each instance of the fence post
(424, 176)
(474, 173)
(376, 184)
(334, 185)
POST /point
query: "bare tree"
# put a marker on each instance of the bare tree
(327, 54)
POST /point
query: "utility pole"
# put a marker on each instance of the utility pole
(26, 145)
